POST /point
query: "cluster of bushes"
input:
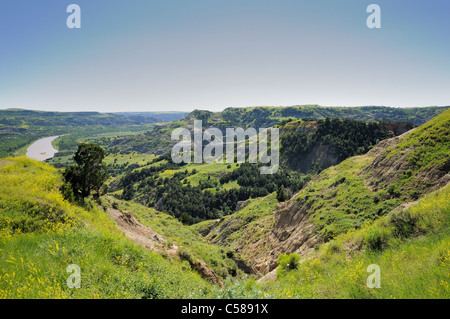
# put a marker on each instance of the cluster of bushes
(135, 176)
(248, 175)
(191, 204)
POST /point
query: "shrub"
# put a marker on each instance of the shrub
(288, 262)
(403, 223)
(184, 254)
(282, 194)
(393, 191)
(67, 192)
(377, 238)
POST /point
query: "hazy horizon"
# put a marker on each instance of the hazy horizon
(206, 109)
(175, 55)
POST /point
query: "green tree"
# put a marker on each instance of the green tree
(282, 194)
(128, 192)
(89, 173)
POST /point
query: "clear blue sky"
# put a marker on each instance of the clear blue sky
(146, 55)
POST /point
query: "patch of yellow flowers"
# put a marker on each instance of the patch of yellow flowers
(31, 284)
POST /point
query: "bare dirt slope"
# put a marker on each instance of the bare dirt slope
(136, 231)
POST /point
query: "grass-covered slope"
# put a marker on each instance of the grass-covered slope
(412, 164)
(411, 246)
(184, 241)
(241, 230)
(361, 189)
(396, 171)
(41, 234)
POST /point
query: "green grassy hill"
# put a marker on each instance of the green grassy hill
(359, 190)
(387, 208)
(41, 234)
(411, 246)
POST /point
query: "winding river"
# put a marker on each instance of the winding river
(42, 149)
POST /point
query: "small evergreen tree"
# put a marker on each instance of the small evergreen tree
(282, 194)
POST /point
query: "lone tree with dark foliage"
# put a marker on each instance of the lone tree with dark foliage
(89, 173)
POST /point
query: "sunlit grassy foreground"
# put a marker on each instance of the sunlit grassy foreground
(41, 234)
(411, 247)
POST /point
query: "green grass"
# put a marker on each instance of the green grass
(134, 158)
(241, 229)
(41, 234)
(23, 150)
(432, 135)
(205, 170)
(34, 266)
(340, 199)
(413, 264)
(182, 236)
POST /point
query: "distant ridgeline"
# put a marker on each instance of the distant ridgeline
(266, 116)
(18, 127)
(28, 119)
(155, 116)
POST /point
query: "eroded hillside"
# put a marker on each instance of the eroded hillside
(358, 190)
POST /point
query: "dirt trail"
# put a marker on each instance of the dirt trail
(136, 231)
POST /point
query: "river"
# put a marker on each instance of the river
(42, 149)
